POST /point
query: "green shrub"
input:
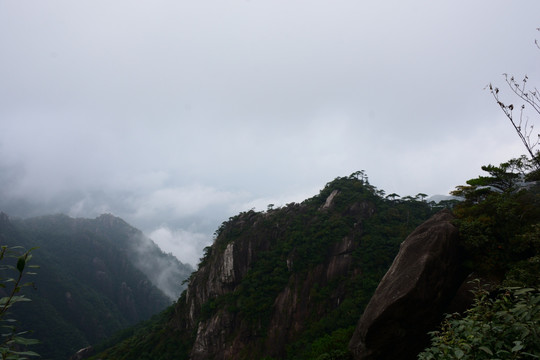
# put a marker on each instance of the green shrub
(501, 326)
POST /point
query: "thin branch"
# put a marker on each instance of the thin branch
(508, 111)
(531, 97)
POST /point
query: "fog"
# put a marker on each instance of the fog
(176, 115)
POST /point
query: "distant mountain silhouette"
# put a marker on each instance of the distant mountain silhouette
(96, 277)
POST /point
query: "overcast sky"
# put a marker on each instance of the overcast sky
(176, 115)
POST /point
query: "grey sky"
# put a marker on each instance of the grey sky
(176, 115)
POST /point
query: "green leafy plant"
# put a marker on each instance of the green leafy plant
(501, 326)
(499, 223)
(13, 342)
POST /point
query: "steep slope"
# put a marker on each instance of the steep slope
(287, 283)
(91, 282)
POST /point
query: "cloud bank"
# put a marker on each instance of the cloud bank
(177, 115)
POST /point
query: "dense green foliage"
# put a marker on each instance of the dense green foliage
(87, 287)
(500, 326)
(499, 222)
(298, 239)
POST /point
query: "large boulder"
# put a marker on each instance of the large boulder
(413, 295)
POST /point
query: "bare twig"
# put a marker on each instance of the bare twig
(524, 132)
(531, 99)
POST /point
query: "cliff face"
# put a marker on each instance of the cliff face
(221, 274)
(225, 333)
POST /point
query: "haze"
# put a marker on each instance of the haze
(176, 115)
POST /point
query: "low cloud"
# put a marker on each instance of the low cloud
(183, 244)
(180, 201)
(164, 271)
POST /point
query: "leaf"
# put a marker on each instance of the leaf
(531, 355)
(4, 300)
(459, 353)
(517, 347)
(27, 353)
(25, 341)
(19, 298)
(521, 291)
(486, 350)
(21, 263)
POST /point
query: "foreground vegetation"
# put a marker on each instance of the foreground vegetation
(499, 223)
(15, 268)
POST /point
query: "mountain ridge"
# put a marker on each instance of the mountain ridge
(283, 283)
(90, 283)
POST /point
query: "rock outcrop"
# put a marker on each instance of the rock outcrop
(413, 295)
(83, 353)
(225, 334)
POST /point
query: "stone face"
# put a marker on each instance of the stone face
(224, 334)
(227, 270)
(294, 304)
(330, 199)
(83, 353)
(413, 295)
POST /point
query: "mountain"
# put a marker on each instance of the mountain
(96, 276)
(305, 281)
(286, 283)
